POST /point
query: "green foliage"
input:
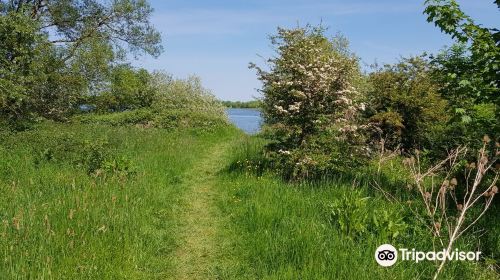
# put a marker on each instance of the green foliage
(468, 74)
(147, 118)
(96, 156)
(405, 106)
(140, 117)
(473, 111)
(47, 76)
(75, 23)
(162, 102)
(184, 94)
(243, 104)
(128, 89)
(33, 80)
(185, 103)
(19, 43)
(171, 119)
(120, 166)
(248, 156)
(483, 43)
(350, 213)
(309, 103)
(280, 230)
(356, 215)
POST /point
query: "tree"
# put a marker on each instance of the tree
(473, 112)
(33, 80)
(309, 102)
(483, 42)
(74, 23)
(468, 72)
(55, 52)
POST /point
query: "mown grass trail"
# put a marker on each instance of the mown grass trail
(195, 258)
(61, 220)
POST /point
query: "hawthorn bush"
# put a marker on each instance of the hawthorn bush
(310, 105)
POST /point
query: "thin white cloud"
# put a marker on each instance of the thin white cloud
(210, 21)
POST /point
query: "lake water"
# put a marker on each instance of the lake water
(248, 120)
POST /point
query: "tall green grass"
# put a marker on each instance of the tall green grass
(93, 201)
(60, 219)
(324, 230)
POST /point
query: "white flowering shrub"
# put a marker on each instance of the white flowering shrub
(310, 104)
(184, 94)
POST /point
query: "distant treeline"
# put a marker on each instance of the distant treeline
(242, 104)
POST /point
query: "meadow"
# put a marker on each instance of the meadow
(97, 201)
(329, 229)
(93, 201)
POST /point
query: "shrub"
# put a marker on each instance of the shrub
(95, 156)
(171, 119)
(471, 97)
(309, 103)
(141, 116)
(405, 105)
(184, 95)
(468, 74)
(174, 103)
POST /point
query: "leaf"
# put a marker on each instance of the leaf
(466, 119)
(464, 83)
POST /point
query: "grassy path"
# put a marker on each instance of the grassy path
(199, 218)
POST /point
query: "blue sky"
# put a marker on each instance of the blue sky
(217, 39)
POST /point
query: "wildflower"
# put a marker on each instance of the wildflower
(280, 109)
(295, 107)
(284, 152)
